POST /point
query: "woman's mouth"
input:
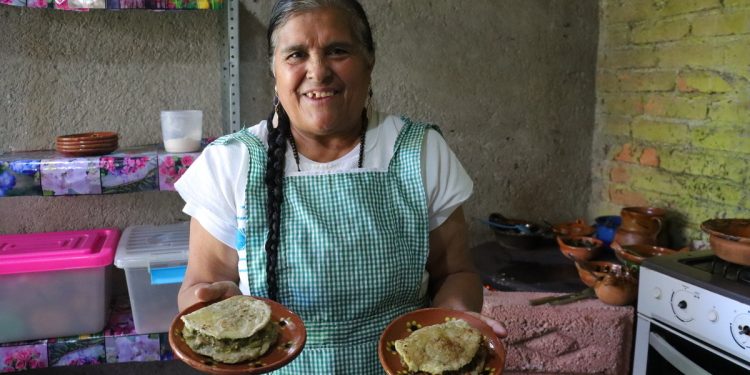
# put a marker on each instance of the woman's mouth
(319, 94)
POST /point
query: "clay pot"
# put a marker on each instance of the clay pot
(634, 255)
(642, 219)
(576, 228)
(590, 271)
(617, 289)
(729, 239)
(579, 248)
(626, 237)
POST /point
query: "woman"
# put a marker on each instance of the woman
(333, 209)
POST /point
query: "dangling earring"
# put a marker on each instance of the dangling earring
(275, 119)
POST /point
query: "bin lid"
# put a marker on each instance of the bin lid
(57, 251)
(147, 245)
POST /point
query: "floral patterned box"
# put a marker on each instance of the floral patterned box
(76, 351)
(19, 176)
(71, 176)
(18, 3)
(23, 356)
(128, 171)
(172, 167)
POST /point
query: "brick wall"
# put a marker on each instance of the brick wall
(673, 110)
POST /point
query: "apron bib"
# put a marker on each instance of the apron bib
(352, 254)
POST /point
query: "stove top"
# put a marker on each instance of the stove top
(706, 270)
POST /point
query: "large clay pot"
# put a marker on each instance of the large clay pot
(642, 219)
(626, 238)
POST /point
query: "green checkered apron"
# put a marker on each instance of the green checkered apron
(353, 250)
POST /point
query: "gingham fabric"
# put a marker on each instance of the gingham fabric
(353, 251)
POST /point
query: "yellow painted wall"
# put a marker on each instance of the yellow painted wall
(673, 110)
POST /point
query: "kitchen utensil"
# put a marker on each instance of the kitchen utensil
(523, 228)
(575, 228)
(590, 271)
(563, 298)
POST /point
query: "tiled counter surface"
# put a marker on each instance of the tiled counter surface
(129, 170)
(117, 343)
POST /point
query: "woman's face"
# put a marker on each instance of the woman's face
(322, 74)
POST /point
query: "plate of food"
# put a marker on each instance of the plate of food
(237, 335)
(440, 341)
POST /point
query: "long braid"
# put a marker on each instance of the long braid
(277, 138)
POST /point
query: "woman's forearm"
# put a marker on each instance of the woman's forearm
(459, 291)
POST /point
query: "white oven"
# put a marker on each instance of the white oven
(693, 316)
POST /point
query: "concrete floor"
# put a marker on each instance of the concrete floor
(174, 367)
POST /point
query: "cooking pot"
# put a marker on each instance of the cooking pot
(729, 239)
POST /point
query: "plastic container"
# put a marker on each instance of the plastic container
(182, 130)
(55, 284)
(154, 259)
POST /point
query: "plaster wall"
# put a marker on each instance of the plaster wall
(511, 84)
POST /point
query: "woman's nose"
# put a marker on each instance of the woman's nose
(318, 69)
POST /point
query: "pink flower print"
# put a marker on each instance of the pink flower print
(107, 163)
(187, 160)
(6, 2)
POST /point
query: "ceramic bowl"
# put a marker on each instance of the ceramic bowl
(575, 228)
(729, 239)
(590, 271)
(579, 248)
(634, 255)
(618, 289)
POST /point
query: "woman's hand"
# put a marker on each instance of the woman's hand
(496, 326)
(208, 292)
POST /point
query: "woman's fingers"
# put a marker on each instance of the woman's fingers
(217, 290)
(496, 326)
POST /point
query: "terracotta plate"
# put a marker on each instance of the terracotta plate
(404, 325)
(292, 338)
(98, 136)
(729, 229)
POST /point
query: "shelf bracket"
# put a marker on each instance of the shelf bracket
(230, 72)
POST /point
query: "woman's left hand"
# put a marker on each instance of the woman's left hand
(496, 326)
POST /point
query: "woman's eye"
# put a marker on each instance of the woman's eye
(294, 56)
(338, 52)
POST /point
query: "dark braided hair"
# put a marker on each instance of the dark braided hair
(282, 11)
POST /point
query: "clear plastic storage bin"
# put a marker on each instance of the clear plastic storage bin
(154, 259)
(55, 284)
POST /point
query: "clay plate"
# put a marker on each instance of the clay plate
(292, 338)
(93, 136)
(404, 325)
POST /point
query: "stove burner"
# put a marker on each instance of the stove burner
(719, 267)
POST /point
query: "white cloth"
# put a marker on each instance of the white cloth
(213, 188)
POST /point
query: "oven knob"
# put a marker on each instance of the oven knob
(682, 305)
(656, 292)
(713, 315)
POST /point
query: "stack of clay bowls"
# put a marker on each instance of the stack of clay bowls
(87, 144)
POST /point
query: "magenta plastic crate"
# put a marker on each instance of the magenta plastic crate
(55, 284)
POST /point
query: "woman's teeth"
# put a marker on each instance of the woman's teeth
(319, 95)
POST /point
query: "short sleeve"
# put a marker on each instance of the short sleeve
(447, 184)
(213, 187)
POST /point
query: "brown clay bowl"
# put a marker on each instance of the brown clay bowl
(590, 271)
(579, 248)
(729, 239)
(576, 228)
(634, 255)
(617, 289)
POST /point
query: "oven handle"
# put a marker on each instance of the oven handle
(674, 357)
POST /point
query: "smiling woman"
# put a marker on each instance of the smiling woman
(328, 207)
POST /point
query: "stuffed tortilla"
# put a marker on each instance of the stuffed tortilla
(234, 330)
(454, 347)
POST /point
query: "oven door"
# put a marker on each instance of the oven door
(660, 349)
